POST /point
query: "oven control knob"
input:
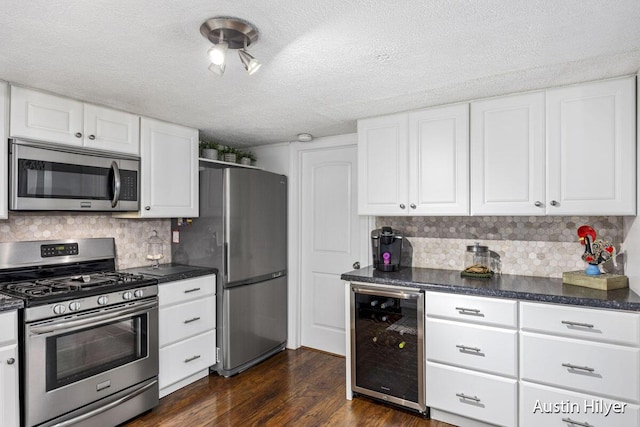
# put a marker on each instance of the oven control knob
(127, 295)
(74, 305)
(103, 300)
(59, 309)
(138, 293)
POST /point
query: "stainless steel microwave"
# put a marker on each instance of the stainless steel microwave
(57, 178)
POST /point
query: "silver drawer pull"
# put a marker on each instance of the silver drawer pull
(581, 368)
(470, 311)
(191, 359)
(466, 348)
(188, 291)
(582, 325)
(576, 423)
(465, 397)
(191, 320)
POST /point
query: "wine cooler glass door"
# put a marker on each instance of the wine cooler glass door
(387, 342)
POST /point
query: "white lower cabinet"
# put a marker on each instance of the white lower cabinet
(9, 392)
(471, 367)
(578, 366)
(548, 406)
(187, 335)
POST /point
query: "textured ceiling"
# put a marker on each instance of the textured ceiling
(326, 63)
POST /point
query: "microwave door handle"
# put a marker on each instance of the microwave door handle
(116, 184)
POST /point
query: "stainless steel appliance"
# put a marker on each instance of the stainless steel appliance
(57, 178)
(386, 245)
(387, 344)
(88, 334)
(241, 231)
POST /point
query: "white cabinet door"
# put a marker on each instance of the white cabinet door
(591, 140)
(439, 161)
(111, 130)
(4, 134)
(507, 155)
(169, 170)
(45, 117)
(9, 386)
(382, 165)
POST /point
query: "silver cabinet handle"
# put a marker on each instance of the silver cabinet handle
(11, 361)
(469, 311)
(78, 135)
(538, 204)
(92, 137)
(468, 349)
(192, 320)
(580, 368)
(402, 206)
(576, 423)
(356, 265)
(582, 325)
(191, 359)
(467, 397)
(553, 203)
(147, 208)
(188, 291)
(413, 205)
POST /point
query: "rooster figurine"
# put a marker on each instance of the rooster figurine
(596, 252)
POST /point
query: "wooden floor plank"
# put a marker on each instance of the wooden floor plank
(299, 388)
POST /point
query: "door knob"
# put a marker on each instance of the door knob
(11, 361)
(147, 208)
(92, 137)
(402, 206)
(553, 203)
(356, 265)
(538, 204)
(413, 205)
(78, 135)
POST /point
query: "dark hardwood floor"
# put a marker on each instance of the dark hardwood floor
(295, 387)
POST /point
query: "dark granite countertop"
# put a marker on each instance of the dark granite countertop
(8, 303)
(172, 272)
(529, 288)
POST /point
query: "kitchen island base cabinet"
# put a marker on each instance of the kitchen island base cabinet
(187, 322)
(547, 406)
(9, 412)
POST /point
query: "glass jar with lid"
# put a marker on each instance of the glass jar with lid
(477, 259)
(155, 249)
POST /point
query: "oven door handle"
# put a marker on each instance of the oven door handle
(116, 184)
(106, 407)
(92, 320)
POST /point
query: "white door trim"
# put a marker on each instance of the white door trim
(295, 231)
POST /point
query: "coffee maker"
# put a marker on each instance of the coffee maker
(387, 249)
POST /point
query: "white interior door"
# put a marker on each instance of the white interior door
(332, 238)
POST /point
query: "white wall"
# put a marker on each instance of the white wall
(273, 157)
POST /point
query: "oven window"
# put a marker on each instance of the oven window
(50, 180)
(83, 353)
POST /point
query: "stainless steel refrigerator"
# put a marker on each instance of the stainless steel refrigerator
(241, 231)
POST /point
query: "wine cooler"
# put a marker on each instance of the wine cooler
(387, 344)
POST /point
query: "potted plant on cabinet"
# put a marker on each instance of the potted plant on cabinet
(247, 158)
(209, 150)
(229, 154)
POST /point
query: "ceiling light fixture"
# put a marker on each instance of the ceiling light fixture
(230, 33)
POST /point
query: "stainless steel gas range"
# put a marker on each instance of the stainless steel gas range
(88, 334)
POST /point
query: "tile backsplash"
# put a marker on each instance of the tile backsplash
(527, 245)
(130, 235)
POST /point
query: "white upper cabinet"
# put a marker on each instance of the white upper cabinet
(49, 118)
(414, 163)
(591, 148)
(565, 151)
(507, 155)
(4, 150)
(168, 169)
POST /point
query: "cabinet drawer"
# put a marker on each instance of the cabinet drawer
(8, 326)
(589, 323)
(185, 290)
(187, 319)
(185, 358)
(548, 406)
(478, 347)
(591, 367)
(471, 394)
(489, 311)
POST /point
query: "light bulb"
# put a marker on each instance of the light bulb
(250, 63)
(218, 53)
